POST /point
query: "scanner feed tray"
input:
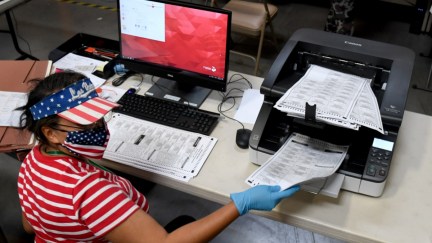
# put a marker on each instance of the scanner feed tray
(279, 127)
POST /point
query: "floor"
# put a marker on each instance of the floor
(43, 25)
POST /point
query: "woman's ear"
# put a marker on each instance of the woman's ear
(51, 135)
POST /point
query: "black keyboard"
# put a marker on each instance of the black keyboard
(168, 113)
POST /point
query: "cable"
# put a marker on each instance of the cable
(19, 36)
(120, 80)
(222, 112)
(227, 95)
(241, 78)
(137, 87)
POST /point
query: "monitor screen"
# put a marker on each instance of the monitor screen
(175, 40)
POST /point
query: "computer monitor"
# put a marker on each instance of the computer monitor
(184, 44)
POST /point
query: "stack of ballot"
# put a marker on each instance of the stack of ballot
(341, 99)
(301, 159)
(14, 86)
(163, 150)
(12, 138)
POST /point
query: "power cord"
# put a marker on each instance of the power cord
(239, 79)
(135, 88)
(16, 31)
(236, 78)
(120, 80)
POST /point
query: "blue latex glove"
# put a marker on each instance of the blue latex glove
(260, 197)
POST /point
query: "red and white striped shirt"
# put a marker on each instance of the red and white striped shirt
(66, 200)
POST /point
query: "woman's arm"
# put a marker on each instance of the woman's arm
(141, 227)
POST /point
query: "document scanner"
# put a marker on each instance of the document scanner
(366, 166)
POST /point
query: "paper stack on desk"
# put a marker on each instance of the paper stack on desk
(156, 148)
(341, 99)
(84, 65)
(14, 87)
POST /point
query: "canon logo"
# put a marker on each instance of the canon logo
(353, 43)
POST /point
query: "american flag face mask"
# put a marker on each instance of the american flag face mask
(88, 143)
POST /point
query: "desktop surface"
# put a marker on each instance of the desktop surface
(401, 214)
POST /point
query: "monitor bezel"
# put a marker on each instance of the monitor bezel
(182, 77)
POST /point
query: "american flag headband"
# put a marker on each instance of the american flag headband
(64, 99)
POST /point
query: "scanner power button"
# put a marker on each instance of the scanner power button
(371, 170)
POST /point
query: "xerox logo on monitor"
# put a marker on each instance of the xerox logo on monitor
(212, 68)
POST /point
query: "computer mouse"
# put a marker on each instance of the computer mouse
(131, 91)
(242, 138)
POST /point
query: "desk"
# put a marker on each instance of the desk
(402, 214)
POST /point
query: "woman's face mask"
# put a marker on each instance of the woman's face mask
(89, 143)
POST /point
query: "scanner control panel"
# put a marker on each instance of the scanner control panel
(378, 161)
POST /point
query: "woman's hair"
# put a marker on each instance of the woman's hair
(41, 89)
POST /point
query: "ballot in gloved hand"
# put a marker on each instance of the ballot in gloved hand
(261, 197)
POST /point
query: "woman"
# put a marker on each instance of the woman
(65, 196)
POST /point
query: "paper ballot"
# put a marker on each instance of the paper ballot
(299, 160)
(341, 99)
(156, 148)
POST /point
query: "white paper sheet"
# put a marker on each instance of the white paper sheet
(300, 159)
(84, 65)
(9, 101)
(250, 106)
(160, 149)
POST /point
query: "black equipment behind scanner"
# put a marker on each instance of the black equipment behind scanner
(389, 66)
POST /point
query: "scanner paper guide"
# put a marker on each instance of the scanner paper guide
(341, 99)
(299, 160)
(156, 148)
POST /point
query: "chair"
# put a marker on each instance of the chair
(5, 7)
(251, 19)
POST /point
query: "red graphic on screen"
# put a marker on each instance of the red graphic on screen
(195, 40)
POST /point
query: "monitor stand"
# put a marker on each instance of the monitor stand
(182, 93)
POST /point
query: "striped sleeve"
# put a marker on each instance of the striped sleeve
(100, 204)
